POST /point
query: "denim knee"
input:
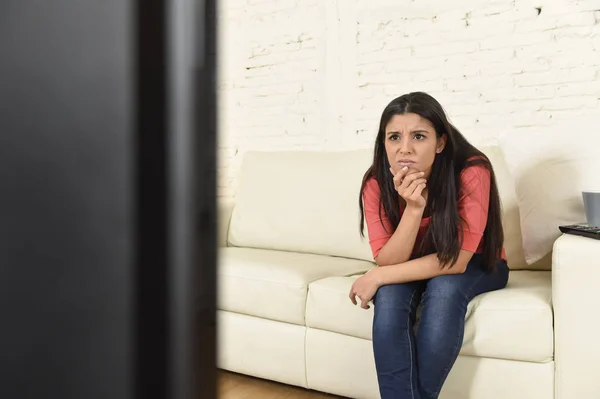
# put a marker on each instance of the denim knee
(394, 296)
(394, 304)
(446, 290)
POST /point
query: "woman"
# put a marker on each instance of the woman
(433, 215)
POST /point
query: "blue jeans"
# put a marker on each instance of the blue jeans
(415, 365)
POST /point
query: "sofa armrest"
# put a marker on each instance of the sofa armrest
(225, 209)
(576, 301)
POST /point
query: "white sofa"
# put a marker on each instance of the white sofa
(290, 250)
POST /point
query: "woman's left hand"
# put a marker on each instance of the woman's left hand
(365, 288)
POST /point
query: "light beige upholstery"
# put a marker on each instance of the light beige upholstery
(551, 165)
(510, 212)
(301, 201)
(274, 284)
(262, 348)
(576, 299)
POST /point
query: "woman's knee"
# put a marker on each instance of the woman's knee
(446, 291)
(459, 289)
(394, 306)
(444, 306)
(395, 296)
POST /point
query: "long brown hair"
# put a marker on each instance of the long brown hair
(444, 185)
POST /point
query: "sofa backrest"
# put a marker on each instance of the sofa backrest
(307, 201)
(301, 201)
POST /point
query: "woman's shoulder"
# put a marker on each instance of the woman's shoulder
(371, 186)
(475, 174)
(473, 167)
(371, 192)
(476, 157)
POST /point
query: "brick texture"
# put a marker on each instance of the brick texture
(316, 74)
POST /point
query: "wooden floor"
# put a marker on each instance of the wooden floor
(238, 386)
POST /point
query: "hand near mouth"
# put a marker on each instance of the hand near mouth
(410, 187)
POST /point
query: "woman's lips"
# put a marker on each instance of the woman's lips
(405, 163)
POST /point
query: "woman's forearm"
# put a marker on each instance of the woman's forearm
(400, 245)
(423, 268)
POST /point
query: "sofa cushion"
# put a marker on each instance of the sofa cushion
(510, 212)
(514, 323)
(301, 201)
(274, 284)
(551, 168)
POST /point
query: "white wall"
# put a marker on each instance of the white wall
(316, 74)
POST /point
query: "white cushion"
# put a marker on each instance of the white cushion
(273, 284)
(513, 244)
(514, 323)
(340, 364)
(328, 307)
(551, 166)
(261, 348)
(301, 201)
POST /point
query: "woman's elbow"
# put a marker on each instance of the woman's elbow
(462, 262)
(378, 261)
(460, 267)
(381, 261)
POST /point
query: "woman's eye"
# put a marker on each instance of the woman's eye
(394, 137)
(419, 136)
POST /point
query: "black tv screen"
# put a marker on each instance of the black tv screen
(107, 232)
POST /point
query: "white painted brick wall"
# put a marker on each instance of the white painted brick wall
(316, 74)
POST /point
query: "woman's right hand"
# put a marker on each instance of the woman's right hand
(410, 187)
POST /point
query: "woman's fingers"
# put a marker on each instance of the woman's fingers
(408, 179)
(399, 176)
(418, 191)
(408, 191)
(352, 295)
(410, 187)
(364, 304)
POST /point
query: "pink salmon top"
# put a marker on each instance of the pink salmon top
(473, 207)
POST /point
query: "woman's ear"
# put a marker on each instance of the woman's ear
(441, 144)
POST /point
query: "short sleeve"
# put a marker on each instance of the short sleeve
(380, 228)
(473, 205)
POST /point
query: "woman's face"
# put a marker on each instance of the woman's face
(411, 140)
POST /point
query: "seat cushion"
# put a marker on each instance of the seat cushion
(274, 284)
(515, 323)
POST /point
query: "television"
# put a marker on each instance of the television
(108, 225)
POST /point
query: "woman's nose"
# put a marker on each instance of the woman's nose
(405, 147)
